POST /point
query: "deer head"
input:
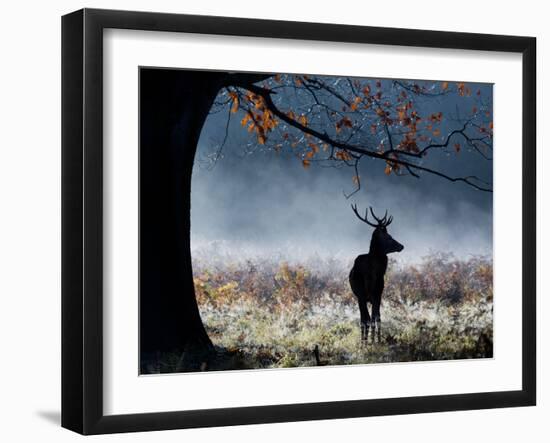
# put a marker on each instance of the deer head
(381, 242)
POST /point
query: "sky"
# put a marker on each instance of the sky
(264, 203)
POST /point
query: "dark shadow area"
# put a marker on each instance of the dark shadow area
(54, 417)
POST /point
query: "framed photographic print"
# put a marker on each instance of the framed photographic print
(269, 221)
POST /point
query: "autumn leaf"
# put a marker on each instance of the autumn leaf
(303, 120)
(436, 117)
(235, 100)
(314, 147)
(306, 163)
(268, 122)
(347, 122)
(343, 155)
(388, 169)
(245, 119)
(444, 86)
(409, 143)
(461, 89)
(344, 122)
(401, 112)
(457, 147)
(437, 132)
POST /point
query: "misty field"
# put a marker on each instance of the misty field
(268, 313)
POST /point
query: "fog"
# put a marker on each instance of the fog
(262, 203)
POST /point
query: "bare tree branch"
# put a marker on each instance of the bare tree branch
(391, 156)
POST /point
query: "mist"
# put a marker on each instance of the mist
(252, 203)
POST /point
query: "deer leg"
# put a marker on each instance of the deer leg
(365, 319)
(376, 321)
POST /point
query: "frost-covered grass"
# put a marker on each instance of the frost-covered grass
(267, 313)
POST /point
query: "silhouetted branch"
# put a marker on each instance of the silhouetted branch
(417, 90)
(386, 156)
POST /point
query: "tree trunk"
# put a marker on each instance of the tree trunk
(173, 107)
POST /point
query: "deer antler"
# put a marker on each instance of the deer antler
(380, 222)
(363, 219)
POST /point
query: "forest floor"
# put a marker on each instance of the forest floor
(273, 314)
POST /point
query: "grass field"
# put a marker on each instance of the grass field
(269, 313)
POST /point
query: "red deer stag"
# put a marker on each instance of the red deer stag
(367, 275)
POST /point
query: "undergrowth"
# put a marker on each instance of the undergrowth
(272, 314)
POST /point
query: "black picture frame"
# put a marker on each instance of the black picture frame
(82, 218)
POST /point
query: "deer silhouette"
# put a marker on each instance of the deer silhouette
(367, 275)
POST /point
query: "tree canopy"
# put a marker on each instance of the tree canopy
(342, 120)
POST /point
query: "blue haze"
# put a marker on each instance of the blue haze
(262, 203)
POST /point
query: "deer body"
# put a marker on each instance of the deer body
(367, 283)
(367, 275)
